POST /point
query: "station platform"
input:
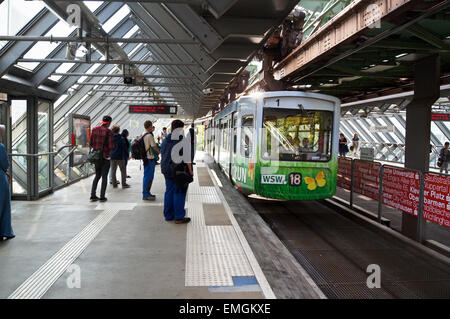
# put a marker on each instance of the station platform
(67, 247)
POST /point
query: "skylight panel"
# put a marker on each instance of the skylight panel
(116, 18)
(63, 68)
(15, 14)
(93, 5)
(41, 50)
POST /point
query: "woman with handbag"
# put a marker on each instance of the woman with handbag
(6, 231)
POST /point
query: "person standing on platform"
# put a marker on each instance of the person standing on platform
(174, 197)
(355, 143)
(163, 135)
(444, 156)
(192, 136)
(343, 148)
(118, 157)
(125, 135)
(149, 162)
(102, 139)
(6, 231)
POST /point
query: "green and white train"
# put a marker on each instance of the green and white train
(280, 145)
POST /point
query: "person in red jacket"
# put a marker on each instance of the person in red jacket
(102, 139)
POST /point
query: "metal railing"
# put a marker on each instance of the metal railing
(394, 152)
(347, 180)
(68, 170)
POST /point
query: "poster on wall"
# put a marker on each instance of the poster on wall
(79, 135)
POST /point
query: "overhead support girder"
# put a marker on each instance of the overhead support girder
(60, 52)
(20, 87)
(229, 27)
(151, 84)
(153, 29)
(196, 25)
(160, 23)
(227, 67)
(80, 93)
(234, 51)
(106, 39)
(103, 75)
(216, 7)
(337, 31)
(125, 62)
(71, 80)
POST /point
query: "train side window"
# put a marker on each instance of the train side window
(247, 131)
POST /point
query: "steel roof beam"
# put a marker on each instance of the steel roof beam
(68, 105)
(60, 52)
(106, 75)
(20, 38)
(107, 62)
(156, 29)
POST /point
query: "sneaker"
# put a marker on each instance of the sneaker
(103, 199)
(126, 186)
(94, 198)
(151, 199)
(184, 220)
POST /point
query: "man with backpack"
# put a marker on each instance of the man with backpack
(149, 144)
(102, 140)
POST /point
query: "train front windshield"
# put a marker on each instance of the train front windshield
(297, 135)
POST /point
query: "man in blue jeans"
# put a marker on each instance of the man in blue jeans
(174, 197)
(149, 162)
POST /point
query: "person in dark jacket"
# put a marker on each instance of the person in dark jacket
(6, 231)
(125, 135)
(101, 139)
(118, 156)
(174, 197)
(343, 147)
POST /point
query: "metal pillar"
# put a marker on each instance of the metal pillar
(418, 125)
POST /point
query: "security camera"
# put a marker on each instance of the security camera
(208, 91)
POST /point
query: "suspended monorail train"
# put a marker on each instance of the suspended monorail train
(280, 145)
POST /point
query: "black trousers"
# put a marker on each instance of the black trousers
(101, 171)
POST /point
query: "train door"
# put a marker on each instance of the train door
(218, 140)
(233, 141)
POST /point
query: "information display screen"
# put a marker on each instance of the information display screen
(80, 133)
(153, 109)
(440, 116)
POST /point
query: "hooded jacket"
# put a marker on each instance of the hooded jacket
(120, 148)
(166, 160)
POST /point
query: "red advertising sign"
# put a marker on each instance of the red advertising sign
(436, 206)
(366, 177)
(401, 189)
(344, 175)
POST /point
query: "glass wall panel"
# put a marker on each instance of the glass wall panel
(19, 146)
(43, 145)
